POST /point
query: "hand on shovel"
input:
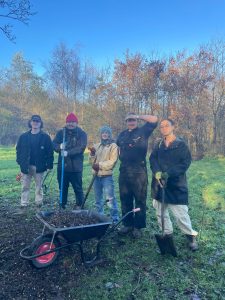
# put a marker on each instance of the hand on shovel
(95, 167)
(92, 151)
(162, 178)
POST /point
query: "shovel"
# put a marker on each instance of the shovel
(88, 190)
(62, 171)
(90, 185)
(165, 241)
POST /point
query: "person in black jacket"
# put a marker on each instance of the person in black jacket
(169, 162)
(72, 150)
(133, 178)
(34, 154)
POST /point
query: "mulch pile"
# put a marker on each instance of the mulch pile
(70, 219)
(18, 279)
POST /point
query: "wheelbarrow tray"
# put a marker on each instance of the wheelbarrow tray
(78, 233)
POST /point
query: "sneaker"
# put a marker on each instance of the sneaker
(20, 211)
(77, 207)
(137, 233)
(125, 230)
(192, 243)
(38, 205)
(114, 221)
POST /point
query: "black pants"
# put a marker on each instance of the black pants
(75, 178)
(133, 193)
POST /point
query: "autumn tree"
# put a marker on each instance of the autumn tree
(14, 11)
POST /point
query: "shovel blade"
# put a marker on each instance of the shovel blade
(166, 244)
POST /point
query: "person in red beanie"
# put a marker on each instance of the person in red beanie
(71, 118)
(72, 150)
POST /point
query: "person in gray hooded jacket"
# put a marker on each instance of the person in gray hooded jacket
(103, 157)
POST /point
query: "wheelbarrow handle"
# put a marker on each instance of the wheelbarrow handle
(114, 226)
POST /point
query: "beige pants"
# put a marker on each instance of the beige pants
(26, 181)
(180, 212)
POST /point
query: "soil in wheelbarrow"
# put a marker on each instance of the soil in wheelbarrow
(18, 280)
(70, 219)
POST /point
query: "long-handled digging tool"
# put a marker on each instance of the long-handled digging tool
(91, 183)
(46, 183)
(89, 189)
(165, 241)
(62, 169)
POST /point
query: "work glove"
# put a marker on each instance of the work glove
(18, 177)
(62, 146)
(64, 153)
(161, 175)
(95, 167)
(158, 175)
(92, 151)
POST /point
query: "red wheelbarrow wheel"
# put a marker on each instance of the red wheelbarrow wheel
(41, 245)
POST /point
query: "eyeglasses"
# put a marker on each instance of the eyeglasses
(37, 121)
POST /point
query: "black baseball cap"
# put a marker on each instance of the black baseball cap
(36, 118)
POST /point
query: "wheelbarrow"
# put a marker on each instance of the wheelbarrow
(45, 249)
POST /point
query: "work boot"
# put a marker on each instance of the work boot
(125, 230)
(136, 233)
(192, 243)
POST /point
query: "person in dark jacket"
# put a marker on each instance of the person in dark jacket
(169, 162)
(34, 154)
(133, 180)
(72, 150)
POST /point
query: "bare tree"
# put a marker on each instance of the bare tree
(14, 10)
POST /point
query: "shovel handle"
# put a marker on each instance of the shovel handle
(136, 209)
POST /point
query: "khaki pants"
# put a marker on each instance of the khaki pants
(26, 181)
(180, 212)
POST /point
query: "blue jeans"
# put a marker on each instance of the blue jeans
(105, 184)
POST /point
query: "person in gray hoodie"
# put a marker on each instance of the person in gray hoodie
(103, 157)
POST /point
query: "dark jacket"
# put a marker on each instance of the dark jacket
(76, 142)
(175, 160)
(133, 146)
(44, 159)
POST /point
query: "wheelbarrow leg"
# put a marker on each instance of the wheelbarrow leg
(93, 262)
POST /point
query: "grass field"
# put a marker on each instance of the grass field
(137, 270)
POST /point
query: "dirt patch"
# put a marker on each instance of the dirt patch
(18, 279)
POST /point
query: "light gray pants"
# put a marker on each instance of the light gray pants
(180, 212)
(26, 182)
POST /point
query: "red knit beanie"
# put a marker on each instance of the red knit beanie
(71, 118)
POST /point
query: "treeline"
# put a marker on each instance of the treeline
(190, 88)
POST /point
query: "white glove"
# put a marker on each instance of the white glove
(64, 153)
(62, 146)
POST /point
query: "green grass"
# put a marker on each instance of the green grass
(136, 270)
